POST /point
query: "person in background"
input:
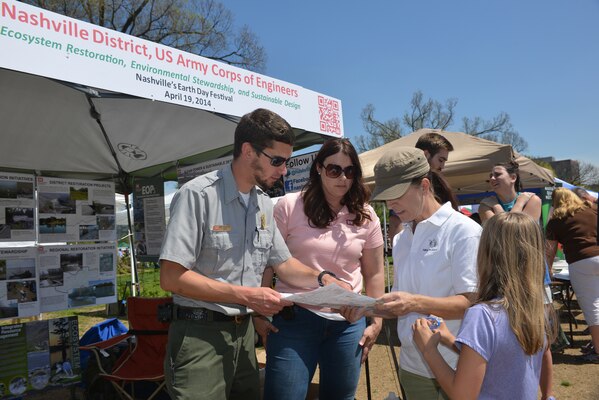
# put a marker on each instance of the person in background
(574, 225)
(584, 195)
(436, 148)
(434, 258)
(221, 235)
(503, 336)
(510, 197)
(329, 226)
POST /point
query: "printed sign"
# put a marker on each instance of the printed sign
(52, 45)
(149, 222)
(38, 355)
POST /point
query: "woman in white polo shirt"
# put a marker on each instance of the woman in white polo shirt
(434, 259)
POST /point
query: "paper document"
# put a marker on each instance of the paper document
(332, 296)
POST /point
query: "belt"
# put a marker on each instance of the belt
(203, 314)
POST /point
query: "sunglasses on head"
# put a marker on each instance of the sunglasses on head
(275, 161)
(335, 171)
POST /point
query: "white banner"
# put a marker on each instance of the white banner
(44, 43)
(187, 173)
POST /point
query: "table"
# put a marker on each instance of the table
(561, 281)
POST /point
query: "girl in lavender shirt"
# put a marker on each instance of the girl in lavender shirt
(503, 336)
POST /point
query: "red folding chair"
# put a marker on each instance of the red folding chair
(143, 358)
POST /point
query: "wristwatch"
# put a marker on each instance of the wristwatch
(323, 273)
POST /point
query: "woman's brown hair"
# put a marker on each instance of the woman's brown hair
(315, 205)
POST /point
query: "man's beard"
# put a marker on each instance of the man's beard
(257, 168)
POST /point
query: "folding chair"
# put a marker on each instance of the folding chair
(143, 358)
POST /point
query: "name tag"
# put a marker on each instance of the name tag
(221, 228)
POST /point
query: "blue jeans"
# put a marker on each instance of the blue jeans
(302, 343)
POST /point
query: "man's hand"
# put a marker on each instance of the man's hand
(263, 326)
(264, 301)
(396, 303)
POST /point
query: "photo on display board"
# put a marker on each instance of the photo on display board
(89, 232)
(56, 203)
(19, 217)
(21, 291)
(78, 193)
(53, 225)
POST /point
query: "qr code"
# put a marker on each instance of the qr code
(329, 115)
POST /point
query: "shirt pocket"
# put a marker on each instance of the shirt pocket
(262, 243)
(218, 253)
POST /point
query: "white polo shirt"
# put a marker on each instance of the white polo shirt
(439, 260)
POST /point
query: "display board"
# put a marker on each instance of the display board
(77, 275)
(75, 210)
(149, 222)
(38, 355)
(18, 282)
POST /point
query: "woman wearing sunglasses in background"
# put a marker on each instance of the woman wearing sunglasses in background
(328, 226)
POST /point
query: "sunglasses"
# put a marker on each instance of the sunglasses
(335, 171)
(275, 161)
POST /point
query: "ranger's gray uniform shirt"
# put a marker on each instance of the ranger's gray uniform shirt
(211, 232)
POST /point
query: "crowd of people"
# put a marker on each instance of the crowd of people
(471, 301)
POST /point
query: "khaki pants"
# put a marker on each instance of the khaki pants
(419, 387)
(211, 361)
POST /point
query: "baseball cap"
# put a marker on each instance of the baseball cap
(394, 171)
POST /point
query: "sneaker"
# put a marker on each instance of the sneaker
(592, 358)
(588, 348)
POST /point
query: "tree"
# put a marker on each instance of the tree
(203, 27)
(435, 115)
(588, 175)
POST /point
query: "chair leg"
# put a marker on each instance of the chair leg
(120, 388)
(158, 390)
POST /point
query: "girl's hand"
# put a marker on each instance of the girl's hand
(424, 338)
(447, 338)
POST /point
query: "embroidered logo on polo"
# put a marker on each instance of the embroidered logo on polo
(433, 245)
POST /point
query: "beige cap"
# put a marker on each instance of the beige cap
(394, 171)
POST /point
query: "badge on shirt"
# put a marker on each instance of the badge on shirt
(221, 228)
(433, 245)
(262, 221)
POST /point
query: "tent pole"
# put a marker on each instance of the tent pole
(385, 237)
(123, 177)
(131, 248)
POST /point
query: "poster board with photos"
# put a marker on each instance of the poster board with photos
(77, 275)
(17, 206)
(72, 210)
(18, 282)
(39, 355)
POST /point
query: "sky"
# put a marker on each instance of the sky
(536, 60)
